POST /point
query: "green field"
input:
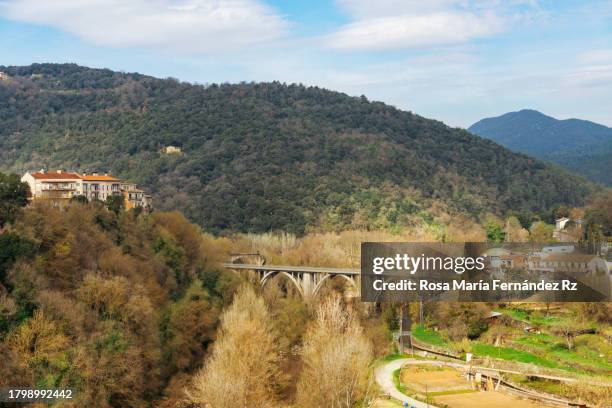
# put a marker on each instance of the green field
(533, 317)
(590, 353)
(584, 355)
(428, 336)
(511, 354)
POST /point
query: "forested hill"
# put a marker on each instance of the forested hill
(579, 145)
(267, 156)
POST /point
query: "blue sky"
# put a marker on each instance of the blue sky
(453, 60)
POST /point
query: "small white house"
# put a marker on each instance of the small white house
(172, 150)
(560, 223)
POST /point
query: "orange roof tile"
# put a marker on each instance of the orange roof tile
(99, 178)
(56, 176)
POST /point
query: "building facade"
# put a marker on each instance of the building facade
(60, 186)
(100, 186)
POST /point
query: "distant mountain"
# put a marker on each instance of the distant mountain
(579, 145)
(265, 156)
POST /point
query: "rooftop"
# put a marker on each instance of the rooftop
(66, 175)
(102, 177)
(571, 257)
(58, 175)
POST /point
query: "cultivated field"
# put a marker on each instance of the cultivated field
(485, 399)
(447, 386)
(433, 379)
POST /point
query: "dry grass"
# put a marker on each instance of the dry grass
(337, 249)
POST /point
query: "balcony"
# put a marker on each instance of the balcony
(58, 187)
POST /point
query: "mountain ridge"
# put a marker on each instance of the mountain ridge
(579, 145)
(266, 156)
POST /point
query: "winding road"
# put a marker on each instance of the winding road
(384, 378)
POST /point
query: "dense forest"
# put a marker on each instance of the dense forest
(130, 309)
(578, 145)
(114, 306)
(265, 156)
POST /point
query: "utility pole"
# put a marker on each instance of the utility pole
(401, 329)
(421, 312)
(405, 325)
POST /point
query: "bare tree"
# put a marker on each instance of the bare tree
(336, 356)
(243, 368)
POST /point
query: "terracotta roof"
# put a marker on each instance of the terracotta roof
(98, 178)
(513, 256)
(571, 257)
(55, 176)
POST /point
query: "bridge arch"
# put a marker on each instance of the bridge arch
(307, 280)
(330, 277)
(271, 275)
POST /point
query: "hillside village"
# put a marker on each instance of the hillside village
(60, 187)
(567, 258)
(569, 253)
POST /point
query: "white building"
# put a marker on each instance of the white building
(58, 185)
(62, 186)
(558, 249)
(560, 223)
(568, 262)
(100, 186)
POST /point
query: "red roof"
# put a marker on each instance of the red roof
(56, 176)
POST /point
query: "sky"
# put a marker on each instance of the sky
(457, 61)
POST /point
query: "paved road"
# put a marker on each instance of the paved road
(384, 378)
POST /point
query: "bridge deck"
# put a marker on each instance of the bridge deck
(287, 268)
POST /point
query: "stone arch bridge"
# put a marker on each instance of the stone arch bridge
(307, 280)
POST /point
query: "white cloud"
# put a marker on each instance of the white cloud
(181, 25)
(395, 24)
(596, 56)
(412, 31)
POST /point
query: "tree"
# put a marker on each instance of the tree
(13, 196)
(336, 356)
(598, 217)
(12, 247)
(390, 316)
(243, 368)
(525, 217)
(514, 231)
(461, 319)
(540, 232)
(495, 233)
(190, 327)
(569, 329)
(599, 311)
(39, 342)
(115, 203)
(561, 211)
(79, 199)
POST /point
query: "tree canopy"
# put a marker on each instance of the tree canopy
(266, 156)
(13, 197)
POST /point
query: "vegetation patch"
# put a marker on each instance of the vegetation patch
(428, 336)
(510, 354)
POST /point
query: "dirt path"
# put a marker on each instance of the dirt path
(384, 378)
